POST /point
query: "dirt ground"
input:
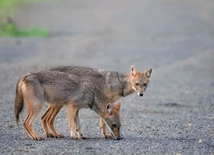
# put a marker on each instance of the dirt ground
(176, 38)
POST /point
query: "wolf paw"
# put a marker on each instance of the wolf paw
(107, 136)
(59, 136)
(50, 135)
(81, 137)
(38, 138)
(74, 137)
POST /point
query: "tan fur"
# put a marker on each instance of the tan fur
(60, 89)
(114, 85)
(48, 120)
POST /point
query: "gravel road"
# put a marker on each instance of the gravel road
(176, 38)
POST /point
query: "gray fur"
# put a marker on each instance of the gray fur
(61, 88)
(113, 81)
(58, 89)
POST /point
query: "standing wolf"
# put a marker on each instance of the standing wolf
(60, 89)
(114, 85)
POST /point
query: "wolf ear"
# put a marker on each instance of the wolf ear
(117, 106)
(148, 72)
(133, 71)
(109, 108)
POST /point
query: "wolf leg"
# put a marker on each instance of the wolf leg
(103, 128)
(44, 121)
(50, 120)
(33, 110)
(71, 115)
(78, 128)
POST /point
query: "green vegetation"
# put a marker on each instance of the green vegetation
(10, 29)
(8, 9)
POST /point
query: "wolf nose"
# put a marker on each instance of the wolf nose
(141, 94)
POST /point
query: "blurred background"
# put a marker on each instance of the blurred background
(145, 29)
(175, 37)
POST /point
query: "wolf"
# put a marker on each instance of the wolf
(114, 85)
(60, 89)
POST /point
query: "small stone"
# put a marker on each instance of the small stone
(190, 125)
(112, 146)
(200, 141)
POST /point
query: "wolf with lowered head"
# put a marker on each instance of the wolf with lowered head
(60, 89)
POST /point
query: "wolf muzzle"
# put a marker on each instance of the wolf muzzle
(116, 138)
(141, 94)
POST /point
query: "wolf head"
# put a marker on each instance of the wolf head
(112, 119)
(140, 80)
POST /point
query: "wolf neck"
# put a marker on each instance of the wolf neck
(125, 81)
(99, 110)
(100, 104)
(117, 85)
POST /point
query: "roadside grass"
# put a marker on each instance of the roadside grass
(8, 9)
(10, 30)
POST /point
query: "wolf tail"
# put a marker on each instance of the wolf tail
(19, 100)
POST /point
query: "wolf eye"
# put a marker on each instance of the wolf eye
(114, 125)
(145, 84)
(137, 84)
